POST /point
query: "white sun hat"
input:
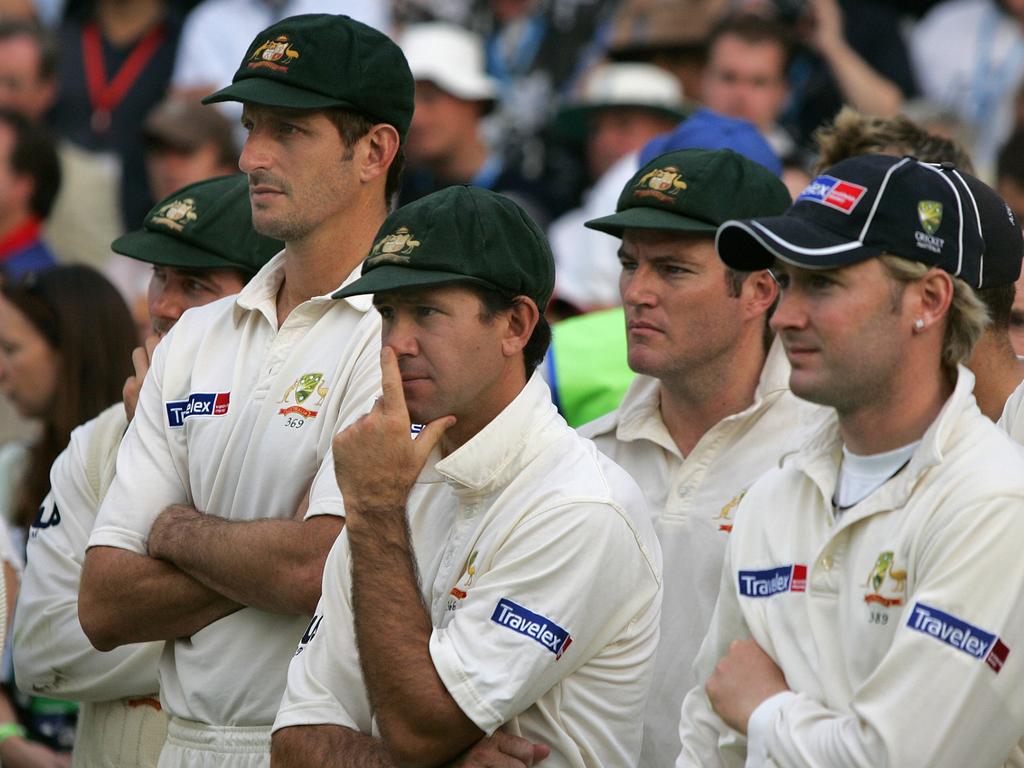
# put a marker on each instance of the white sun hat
(450, 57)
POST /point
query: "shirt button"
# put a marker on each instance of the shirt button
(683, 492)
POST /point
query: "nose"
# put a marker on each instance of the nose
(166, 305)
(636, 287)
(789, 313)
(254, 153)
(399, 334)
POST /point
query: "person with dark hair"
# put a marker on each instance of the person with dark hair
(1010, 172)
(66, 339)
(29, 181)
(523, 579)
(28, 68)
(194, 261)
(745, 74)
(205, 538)
(709, 410)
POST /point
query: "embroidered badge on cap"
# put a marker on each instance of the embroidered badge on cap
(176, 214)
(958, 634)
(394, 248)
(197, 404)
(785, 578)
(833, 192)
(532, 625)
(662, 183)
(274, 54)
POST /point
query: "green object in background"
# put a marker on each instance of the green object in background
(587, 366)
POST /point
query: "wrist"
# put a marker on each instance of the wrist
(10, 731)
(168, 529)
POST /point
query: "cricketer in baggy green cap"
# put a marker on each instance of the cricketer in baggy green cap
(694, 190)
(461, 234)
(320, 61)
(206, 225)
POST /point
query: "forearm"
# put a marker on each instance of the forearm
(420, 722)
(130, 598)
(273, 565)
(861, 86)
(330, 746)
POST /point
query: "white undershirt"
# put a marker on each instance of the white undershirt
(860, 476)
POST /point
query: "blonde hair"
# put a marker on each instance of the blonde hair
(851, 134)
(967, 317)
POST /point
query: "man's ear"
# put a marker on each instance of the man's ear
(932, 296)
(522, 319)
(379, 148)
(758, 294)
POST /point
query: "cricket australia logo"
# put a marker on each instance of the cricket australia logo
(724, 517)
(661, 183)
(300, 391)
(274, 54)
(395, 248)
(461, 589)
(929, 213)
(886, 584)
(176, 214)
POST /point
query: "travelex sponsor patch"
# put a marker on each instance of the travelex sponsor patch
(958, 634)
(532, 625)
(197, 404)
(773, 581)
(833, 192)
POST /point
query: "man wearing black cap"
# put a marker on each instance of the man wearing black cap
(873, 585)
(709, 411)
(195, 261)
(494, 572)
(205, 538)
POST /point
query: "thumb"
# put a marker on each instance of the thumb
(432, 433)
(540, 751)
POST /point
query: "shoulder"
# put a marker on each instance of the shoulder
(601, 429)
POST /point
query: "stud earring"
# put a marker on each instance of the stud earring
(919, 324)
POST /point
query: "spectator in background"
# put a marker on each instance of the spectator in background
(192, 262)
(671, 34)
(1017, 319)
(28, 68)
(29, 180)
(745, 76)
(66, 340)
(1010, 172)
(851, 53)
(446, 143)
(969, 55)
(186, 142)
(115, 65)
(620, 107)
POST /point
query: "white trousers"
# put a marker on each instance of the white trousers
(127, 733)
(198, 745)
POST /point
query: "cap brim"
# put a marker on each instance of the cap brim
(571, 122)
(273, 93)
(391, 277)
(157, 248)
(754, 244)
(648, 218)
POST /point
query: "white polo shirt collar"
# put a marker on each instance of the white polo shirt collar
(499, 451)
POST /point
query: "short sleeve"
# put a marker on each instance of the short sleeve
(566, 582)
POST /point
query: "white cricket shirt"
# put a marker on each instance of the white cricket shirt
(543, 580)
(691, 500)
(898, 626)
(235, 417)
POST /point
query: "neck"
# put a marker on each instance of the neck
(485, 409)
(462, 165)
(695, 401)
(997, 372)
(320, 261)
(123, 22)
(898, 414)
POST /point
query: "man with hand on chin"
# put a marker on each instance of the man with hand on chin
(495, 572)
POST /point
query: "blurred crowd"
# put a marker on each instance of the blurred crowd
(549, 102)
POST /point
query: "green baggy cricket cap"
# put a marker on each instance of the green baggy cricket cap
(206, 225)
(694, 190)
(319, 61)
(460, 234)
